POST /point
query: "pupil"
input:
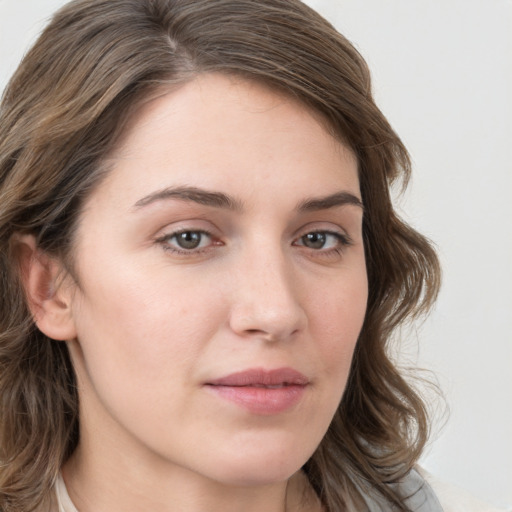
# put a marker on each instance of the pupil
(189, 240)
(314, 240)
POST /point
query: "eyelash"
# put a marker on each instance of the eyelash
(343, 240)
(164, 241)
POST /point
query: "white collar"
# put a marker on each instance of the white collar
(64, 503)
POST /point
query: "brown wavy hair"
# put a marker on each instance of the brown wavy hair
(61, 114)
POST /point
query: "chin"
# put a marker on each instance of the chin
(261, 467)
(256, 476)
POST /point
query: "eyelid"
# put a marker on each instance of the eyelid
(326, 255)
(192, 224)
(170, 233)
(343, 237)
(323, 226)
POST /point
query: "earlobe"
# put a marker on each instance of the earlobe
(47, 292)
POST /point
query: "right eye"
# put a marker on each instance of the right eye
(187, 241)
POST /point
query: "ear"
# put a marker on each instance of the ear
(47, 289)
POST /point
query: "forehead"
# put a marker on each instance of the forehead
(217, 131)
(208, 94)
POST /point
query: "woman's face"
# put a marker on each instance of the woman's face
(222, 286)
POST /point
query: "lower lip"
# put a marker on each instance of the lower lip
(263, 401)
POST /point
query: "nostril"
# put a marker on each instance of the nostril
(260, 333)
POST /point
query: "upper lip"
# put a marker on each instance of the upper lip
(262, 377)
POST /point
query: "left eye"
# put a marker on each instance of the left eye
(189, 240)
(321, 240)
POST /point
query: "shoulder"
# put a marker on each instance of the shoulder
(455, 499)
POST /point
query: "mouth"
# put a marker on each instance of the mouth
(260, 391)
(259, 377)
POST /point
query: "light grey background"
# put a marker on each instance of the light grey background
(443, 75)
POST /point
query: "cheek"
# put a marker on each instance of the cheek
(140, 325)
(336, 321)
(140, 343)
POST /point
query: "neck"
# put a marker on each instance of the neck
(117, 486)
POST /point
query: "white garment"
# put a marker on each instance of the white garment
(451, 498)
(64, 502)
(455, 499)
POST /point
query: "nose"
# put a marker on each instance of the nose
(266, 297)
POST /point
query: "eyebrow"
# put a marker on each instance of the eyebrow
(331, 201)
(194, 194)
(221, 200)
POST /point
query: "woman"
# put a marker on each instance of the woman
(202, 268)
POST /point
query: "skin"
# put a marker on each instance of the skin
(150, 322)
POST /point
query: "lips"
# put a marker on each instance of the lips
(260, 391)
(258, 377)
